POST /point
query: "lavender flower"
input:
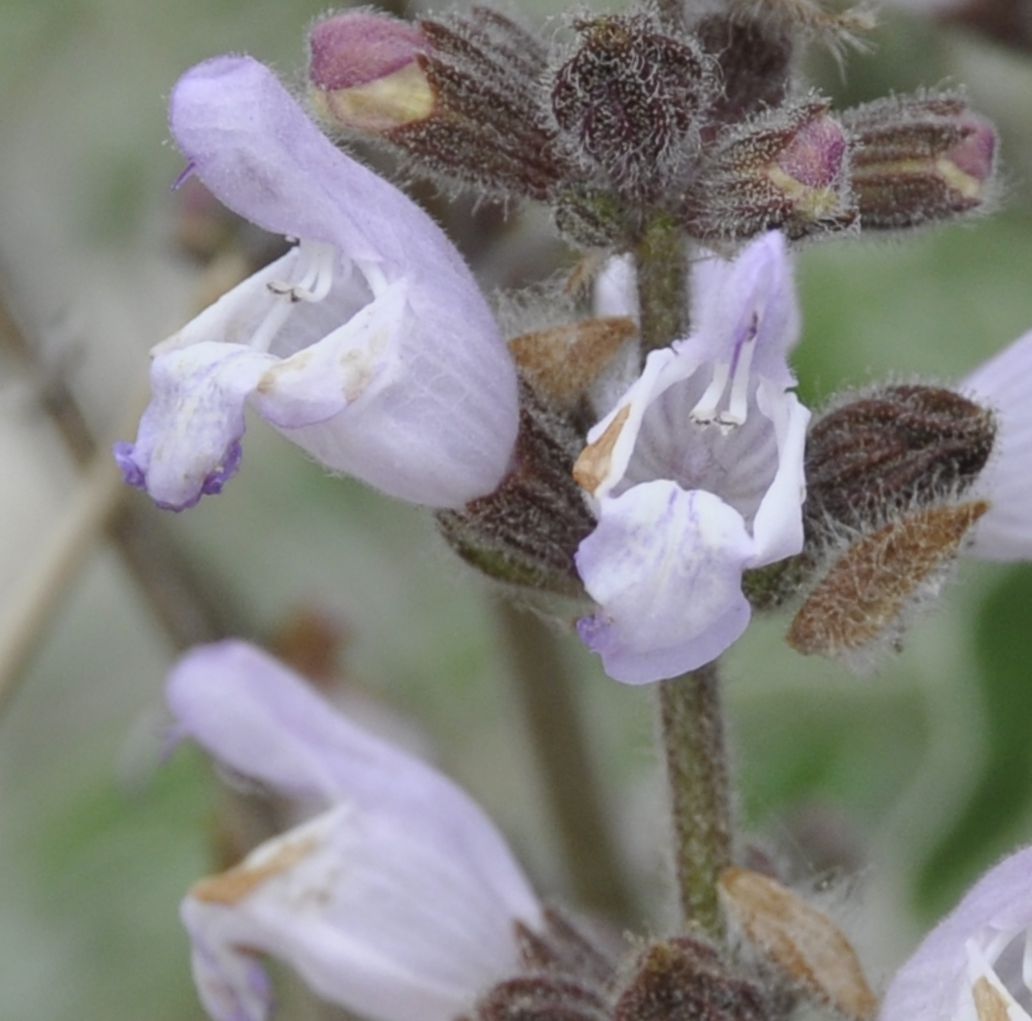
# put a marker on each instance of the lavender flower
(399, 901)
(1004, 385)
(367, 344)
(697, 475)
(977, 963)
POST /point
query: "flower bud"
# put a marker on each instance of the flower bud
(365, 72)
(628, 101)
(564, 975)
(562, 363)
(683, 979)
(892, 448)
(918, 159)
(457, 97)
(785, 170)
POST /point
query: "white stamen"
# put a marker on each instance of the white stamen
(316, 266)
(263, 337)
(738, 403)
(706, 410)
(374, 277)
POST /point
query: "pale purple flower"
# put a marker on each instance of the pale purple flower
(977, 959)
(368, 344)
(1004, 384)
(696, 475)
(398, 901)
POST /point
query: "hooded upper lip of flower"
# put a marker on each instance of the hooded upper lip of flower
(368, 344)
(398, 901)
(697, 475)
(960, 971)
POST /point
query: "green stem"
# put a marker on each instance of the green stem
(693, 739)
(692, 729)
(662, 266)
(576, 803)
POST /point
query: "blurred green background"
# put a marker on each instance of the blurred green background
(919, 777)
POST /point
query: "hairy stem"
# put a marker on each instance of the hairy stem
(692, 729)
(661, 260)
(576, 803)
(693, 739)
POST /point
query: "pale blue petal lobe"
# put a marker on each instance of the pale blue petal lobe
(665, 567)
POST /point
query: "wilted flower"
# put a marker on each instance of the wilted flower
(697, 475)
(400, 900)
(975, 965)
(368, 344)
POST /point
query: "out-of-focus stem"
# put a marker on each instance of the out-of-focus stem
(187, 606)
(62, 555)
(575, 800)
(692, 731)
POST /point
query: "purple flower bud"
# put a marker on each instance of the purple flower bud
(784, 169)
(812, 162)
(365, 73)
(918, 159)
(458, 96)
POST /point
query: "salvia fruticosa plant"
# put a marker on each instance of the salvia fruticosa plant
(638, 468)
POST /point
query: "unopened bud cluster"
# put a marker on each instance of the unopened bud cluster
(700, 124)
(787, 953)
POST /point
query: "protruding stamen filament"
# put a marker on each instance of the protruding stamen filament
(374, 277)
(738, 403)
(317, 262)
(263, 337)
(316, 265)
(707, 410)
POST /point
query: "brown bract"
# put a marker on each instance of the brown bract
(800, 941)
(864, 593)
(563, 362)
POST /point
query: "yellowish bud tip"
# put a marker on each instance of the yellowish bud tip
(365, 72)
